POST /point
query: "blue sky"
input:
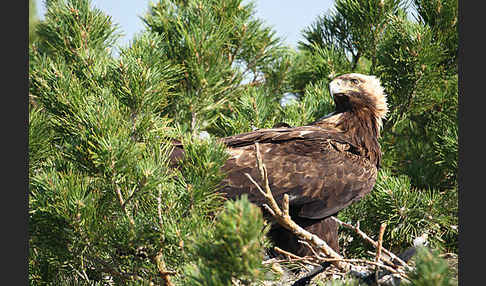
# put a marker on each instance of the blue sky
(286, 17)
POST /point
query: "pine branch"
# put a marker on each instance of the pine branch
(108, 268)
(123, 207)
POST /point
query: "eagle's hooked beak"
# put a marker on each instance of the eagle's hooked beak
(336, 87)
(339, 87)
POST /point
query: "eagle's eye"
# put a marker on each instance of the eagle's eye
(354, 81)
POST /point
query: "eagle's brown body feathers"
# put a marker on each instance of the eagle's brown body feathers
(323, 167)
(320, 171)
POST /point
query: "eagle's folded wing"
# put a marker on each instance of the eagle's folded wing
(319, 169)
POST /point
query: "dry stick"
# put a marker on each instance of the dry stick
(283, 217)
(391, 269)
(378, 249)
(380, 242)
(316, 256)
(286, 253)
(307, 259)
(374, 243)
(310, 248)
(383, 259)
(293, 258)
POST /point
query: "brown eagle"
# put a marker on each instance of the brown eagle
(323, 166)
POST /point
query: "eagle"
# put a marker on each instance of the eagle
(323, 166)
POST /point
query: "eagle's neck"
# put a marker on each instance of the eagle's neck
(361, 126)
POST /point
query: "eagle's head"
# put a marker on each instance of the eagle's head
(357, 91)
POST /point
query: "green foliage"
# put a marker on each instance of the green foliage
(322, 63)
(312, 104)
(75, 31)
(255, 108)
(447, 149)
(234, 250)
(220, 45)
(200, 170)
(142, 76)
(431, 270)
(408, 212)
(40, 136)
(103, 200)
(104, 203)
(353, 27)
(441, 16)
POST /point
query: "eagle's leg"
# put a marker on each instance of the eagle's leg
(326, 229)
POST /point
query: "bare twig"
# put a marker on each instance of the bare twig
(310, 248)
(310, 260)
(286, 253)
(295, 258)
(397, 271)
(378, 249)
(380, 242)
(383, 259)
(372, 242)
(283, 216)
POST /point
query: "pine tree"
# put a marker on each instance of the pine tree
(224, 51)
(106, 206)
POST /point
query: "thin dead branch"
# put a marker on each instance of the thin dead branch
(372, 242)
(396, 271)
(294, 258)
(283, 216)
(380, 242)
(378, 250)
(310, 248)
(316, 244)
